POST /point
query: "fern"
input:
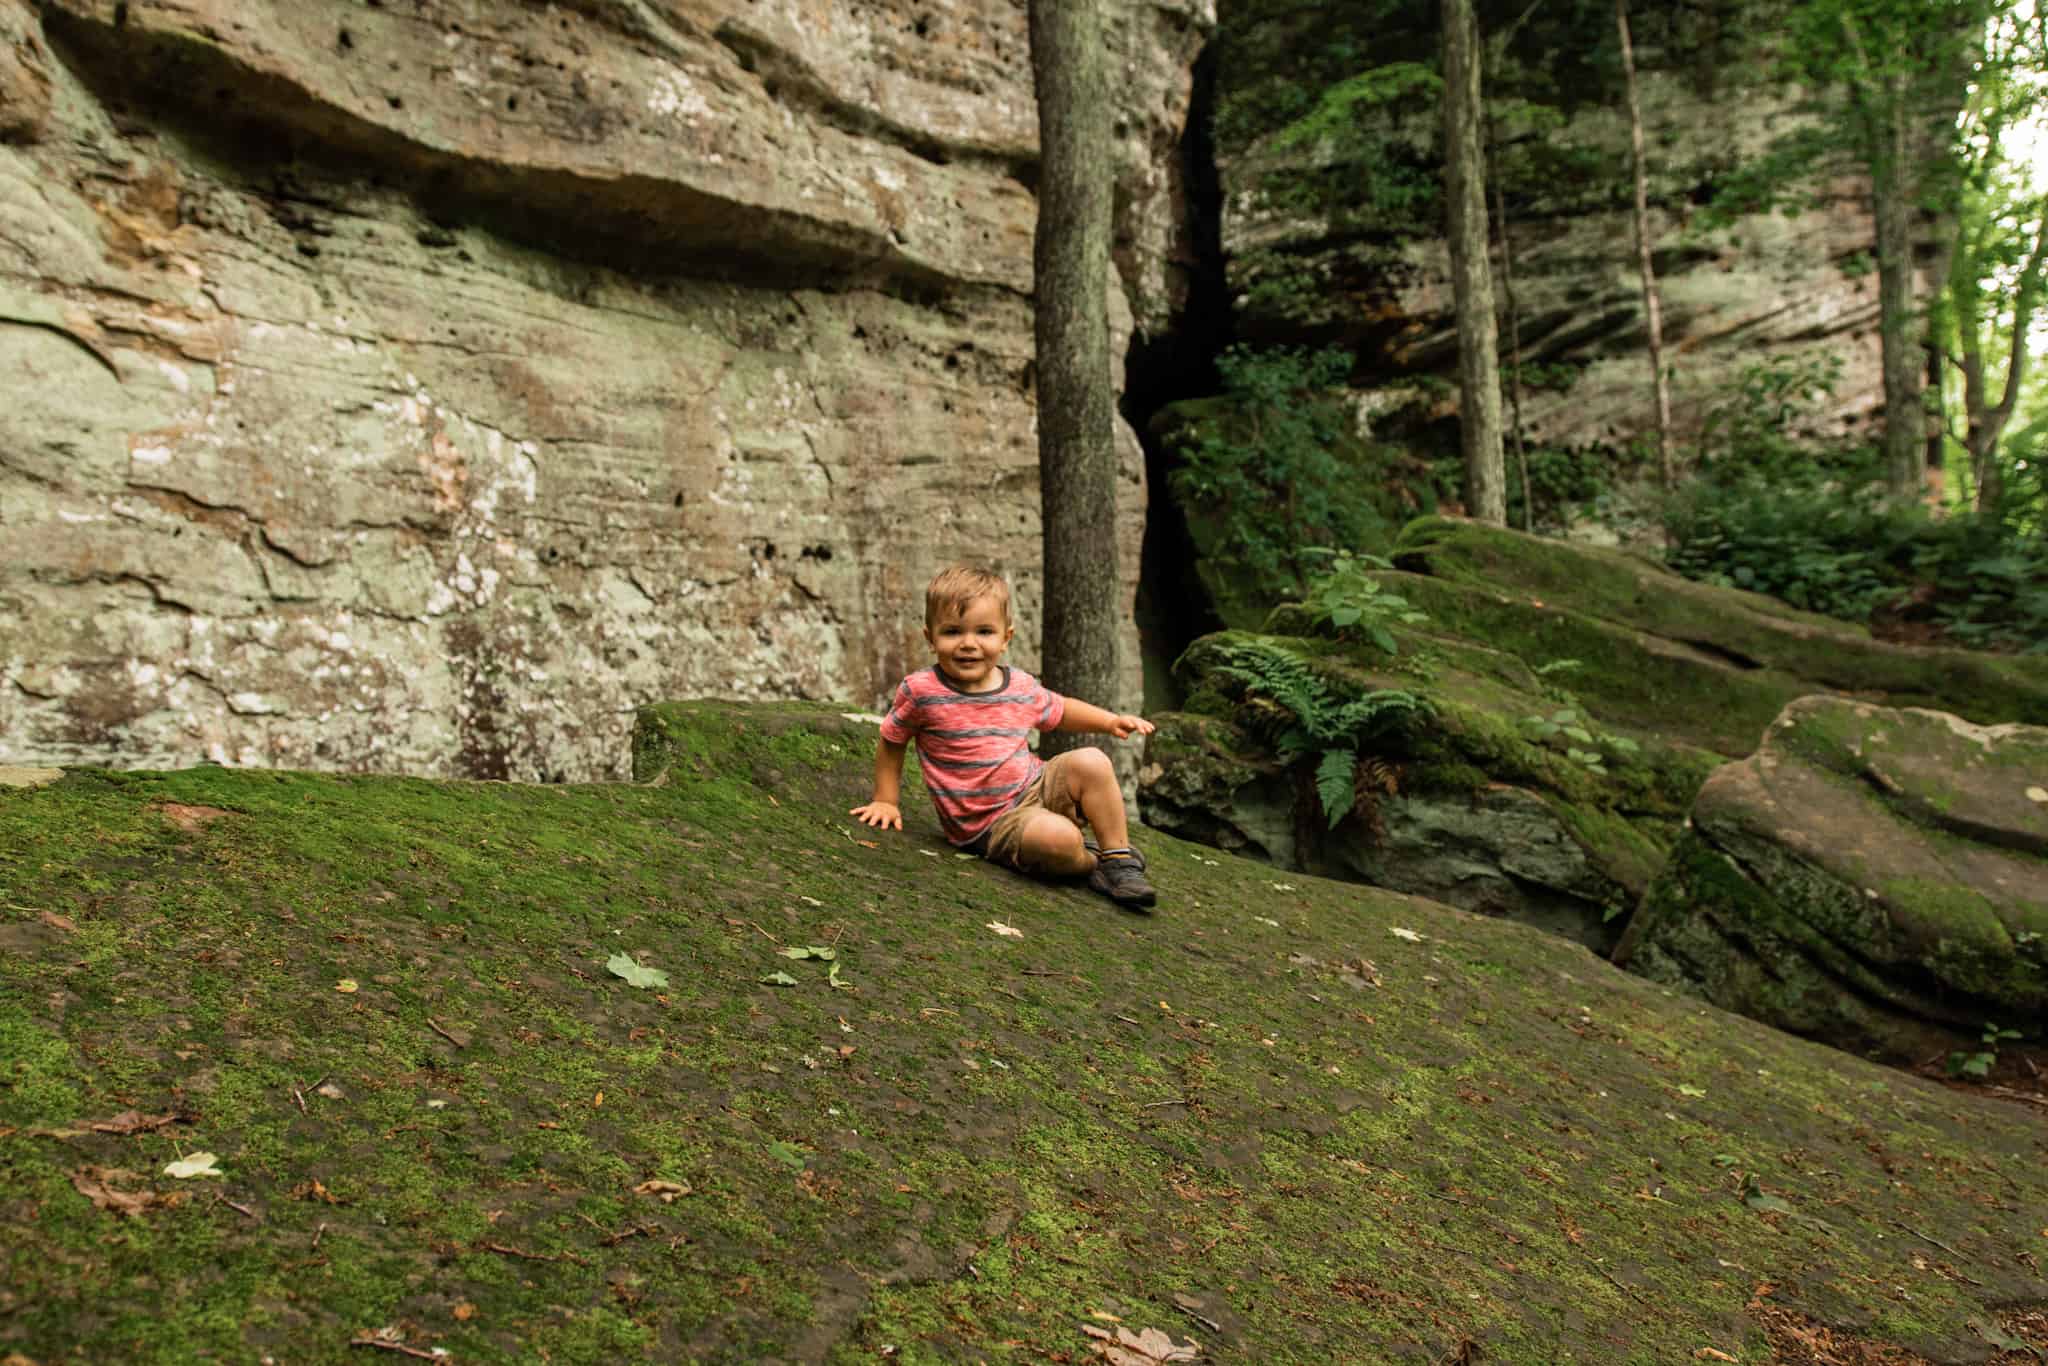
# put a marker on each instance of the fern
(1286, 703)
(1335, 785)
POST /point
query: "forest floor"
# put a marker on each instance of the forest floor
(1286, 1119)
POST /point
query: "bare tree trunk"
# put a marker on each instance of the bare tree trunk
(1653, 308)
(1507, 286)
(1471, 278)
(1904, 423)
(1076, 416)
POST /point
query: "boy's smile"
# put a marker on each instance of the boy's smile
(970, 644)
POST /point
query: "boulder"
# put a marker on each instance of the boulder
(1480, 795)
(1873, 877)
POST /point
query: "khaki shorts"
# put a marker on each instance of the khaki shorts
(1050, 791)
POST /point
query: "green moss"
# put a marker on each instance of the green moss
(1105, 1114)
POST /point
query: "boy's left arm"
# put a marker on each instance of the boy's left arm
(1084, 716)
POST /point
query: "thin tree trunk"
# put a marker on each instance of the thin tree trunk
(1471, 280)
(1653, 309)
(1076, 434)
(1507, 287)
(1904, 422)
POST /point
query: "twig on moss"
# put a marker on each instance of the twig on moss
(242, 1210)
(435, 1025)
(387, 1345)
(505, 1251)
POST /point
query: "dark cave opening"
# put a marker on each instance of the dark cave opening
(1173, 606)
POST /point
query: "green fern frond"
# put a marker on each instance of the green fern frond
(1335, 788)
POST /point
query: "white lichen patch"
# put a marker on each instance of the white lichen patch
(674, 97)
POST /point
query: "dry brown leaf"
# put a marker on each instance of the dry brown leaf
(1149, 1348)
(96, 1185)
(56, 922)
(464, 1311)
(313, 1190)
(1710, 1354)
(667, 1190)
(132, 1122)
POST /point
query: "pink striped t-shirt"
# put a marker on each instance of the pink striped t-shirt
(973, 746)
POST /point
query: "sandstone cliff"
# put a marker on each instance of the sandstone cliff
(401, 385)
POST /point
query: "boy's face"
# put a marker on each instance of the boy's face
(970, 644)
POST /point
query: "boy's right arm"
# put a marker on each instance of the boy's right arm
(883, 812)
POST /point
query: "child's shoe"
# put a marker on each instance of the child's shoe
(1120, 875)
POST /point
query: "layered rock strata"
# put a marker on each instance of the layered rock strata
(410, 387)
(1874, 878)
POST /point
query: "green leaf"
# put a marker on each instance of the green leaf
(622, 965)
(778, 979)
(1335, 786)
(1693, 1091)
(1579, 733)
(789, 1155)
(818, 951)
(1757, 1198)
(1383, 638)
(832, 978)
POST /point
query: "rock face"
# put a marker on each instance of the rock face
(1577, 699)
(413, 387)
(1873, 878)
(1337, 237)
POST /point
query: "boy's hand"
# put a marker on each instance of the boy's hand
(1124, 727)
(882, 815)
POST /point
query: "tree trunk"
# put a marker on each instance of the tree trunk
(1076, 416)
(1471, 278)
(1891, 181)
(1507, 286)
(1653, 309)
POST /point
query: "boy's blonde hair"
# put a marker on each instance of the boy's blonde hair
(955, 588)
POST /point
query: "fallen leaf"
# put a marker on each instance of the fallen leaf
(313, 1190)
(1692, 1091)
(2037, 794)
(929, 853)
(801, 951)
(1411, 936)
(810, 901)
(1149, 1348)
(329, 1090)
(597, 1100)
(464, 1311)
(867, 844)
(190, 819)
(96, 1185)
(789, 1155)
(346, 985)
(778, 979)
(832, 978)
(1998, 1337)
(1285, 887)
(668, 1191)
(1709, 1354)
(132, 1122)
(1007, 931)
(967, 856)
(625, 966)
(194, 1164)
(56, 922)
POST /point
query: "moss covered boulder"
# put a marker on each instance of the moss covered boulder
(508, 1073)
(1872, 877)
(1474, 786)
(1684, 656)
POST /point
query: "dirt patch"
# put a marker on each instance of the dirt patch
(190, 819)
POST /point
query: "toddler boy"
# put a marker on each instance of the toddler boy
(971, 715)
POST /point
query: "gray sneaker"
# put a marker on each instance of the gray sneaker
(1120, 876)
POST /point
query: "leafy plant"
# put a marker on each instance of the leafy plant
(1293, 708)
(1345, 596)
(1571, 730)
(1263, 471)
(1980, 1063)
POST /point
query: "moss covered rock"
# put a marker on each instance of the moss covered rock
(1876, 878)
(1484, 795)
(1718, 650)
(1318, 1122)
